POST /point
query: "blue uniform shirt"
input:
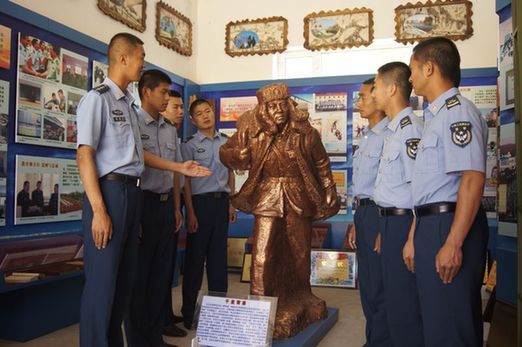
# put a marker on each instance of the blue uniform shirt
(366, 159)
(108, 123)
(454, 140)
(392, 186)
(161, 139)
(206, 152)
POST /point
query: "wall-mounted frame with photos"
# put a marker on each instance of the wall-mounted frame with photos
(338, 29)
(131, 13)
(256, 36)
(235, 252)
(331, 268)
(173, 30)
(245, 269)
(451, 19)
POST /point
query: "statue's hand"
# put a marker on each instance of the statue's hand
(331, 196)
(244, 154)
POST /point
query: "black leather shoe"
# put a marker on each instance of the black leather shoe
(177, 319)
(174, 331)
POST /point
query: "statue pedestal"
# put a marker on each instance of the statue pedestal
(312, 335)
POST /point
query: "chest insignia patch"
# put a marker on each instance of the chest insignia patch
(145, 137)
(201, 150)
(117, 112)
(119, 119)
(461, 133)
(411, 147)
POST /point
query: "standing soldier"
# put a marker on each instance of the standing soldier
(161, 217)
(366, 219)
(392, 91)
(110, 160)
(208, 211)
(448, 180)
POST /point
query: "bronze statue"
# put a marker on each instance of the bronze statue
(289, 185)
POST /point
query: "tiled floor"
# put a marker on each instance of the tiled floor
(348, 332)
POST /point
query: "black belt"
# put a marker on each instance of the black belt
(113, 176)
(161, 197)
(394, 211)
(436, 208)
(216, 195)
(364, 202)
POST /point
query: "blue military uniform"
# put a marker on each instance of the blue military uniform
(365, 165)
(108, 123)
(454, 140)
(153, 275)
(393, 195)
(210, 199)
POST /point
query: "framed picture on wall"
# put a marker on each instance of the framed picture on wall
(451, 19)
(235, 252)
(257, 36)
(173, 29)
(338, 29)
(132, 13)
(331, 268)
(245, 269)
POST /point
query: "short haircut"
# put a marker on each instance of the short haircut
(120, 39)
(26, 182)
(39, 182)
(369, 82)
(443, 53)
(174, 93)
(195, 104)
(151, 79)
(399, 73)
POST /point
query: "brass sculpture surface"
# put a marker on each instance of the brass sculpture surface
(290, 184)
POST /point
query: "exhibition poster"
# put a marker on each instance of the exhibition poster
(51, 82)
(47, 190)
(4, 116)
(5, 47)
(231, 108)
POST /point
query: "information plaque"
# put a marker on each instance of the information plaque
(235, 320)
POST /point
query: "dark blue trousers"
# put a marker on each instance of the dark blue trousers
(452, 313)
(208, 245)
(169, 313)
(369, 267)
(144, 325)
(109, 272)
(400, 288)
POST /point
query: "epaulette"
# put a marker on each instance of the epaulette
(135, 106)
(405, 121)
(168, 121)
(451, 102)
(188, 139)
(102, 88)
(224, 135)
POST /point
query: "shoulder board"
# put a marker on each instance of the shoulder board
(168, 121)
(102, 88)
(405, 121)
(224, 135)
(188, 139)
(136, 107)
(451, 102)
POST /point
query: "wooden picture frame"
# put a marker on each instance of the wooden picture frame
(338, 29)
(451, 19)
(257, 36)
(173, 30)
(332, 268)
(235, 252)
(131, 13)
(245, 269)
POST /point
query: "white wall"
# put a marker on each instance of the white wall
(85, 17)
(214, 66)
(210, 64)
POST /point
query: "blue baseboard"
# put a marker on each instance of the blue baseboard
(313, 334)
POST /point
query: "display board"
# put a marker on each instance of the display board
(45, 69)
